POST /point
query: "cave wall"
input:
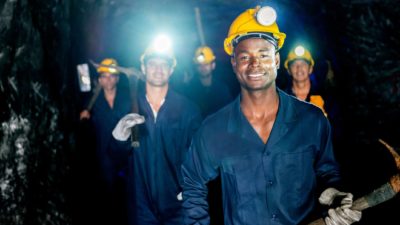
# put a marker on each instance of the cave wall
(34, 43)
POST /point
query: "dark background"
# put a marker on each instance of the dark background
(45, 163)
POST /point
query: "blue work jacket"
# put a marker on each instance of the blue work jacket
(209, 99)
(155, 177)
(272, 183)
(104, 119)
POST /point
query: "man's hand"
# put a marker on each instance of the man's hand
(340, 216)
(328, 196)
(122, 131)
(85, 114)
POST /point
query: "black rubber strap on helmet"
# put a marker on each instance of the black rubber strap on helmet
(266, 36)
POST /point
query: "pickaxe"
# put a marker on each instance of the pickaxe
(380, 195)
(130, 72)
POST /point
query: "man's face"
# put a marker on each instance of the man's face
(157, 72)
(300, 70)
(205, 70)
(255, 64)
(108, 81)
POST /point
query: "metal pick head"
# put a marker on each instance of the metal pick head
(266, 16)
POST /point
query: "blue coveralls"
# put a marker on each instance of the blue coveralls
(104, 119)
(209, 99)
(272, 183)
(109, 204)
(155, 178)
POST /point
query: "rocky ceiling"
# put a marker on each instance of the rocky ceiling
(42, 41)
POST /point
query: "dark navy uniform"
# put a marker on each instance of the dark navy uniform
(155, 177)
(110, 169)
(272, 183)
(209, 99)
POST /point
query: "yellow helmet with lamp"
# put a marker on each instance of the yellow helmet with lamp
(160, 47)
(104, 66)
(259, 22)
(299, 53)
(204, 55)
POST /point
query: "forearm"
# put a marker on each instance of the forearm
(197, 171)
(119, 149)
(194, 201)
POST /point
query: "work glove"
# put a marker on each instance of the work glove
(328, 196)
(122, 131)
(340, 216)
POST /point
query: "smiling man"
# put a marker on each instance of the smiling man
(272, 151)
(166, 122)
(299, 65)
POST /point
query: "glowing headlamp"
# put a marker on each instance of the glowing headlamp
(112, 70)
(299, 50)
(162, 44)
(201, 58)
(266, 16)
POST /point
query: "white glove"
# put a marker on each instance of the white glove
(122, 131)
(179, 196)
(330, 194)
(341, 216)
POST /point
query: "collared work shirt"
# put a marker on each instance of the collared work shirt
(272, 183)
(155, 180)
(104, 119)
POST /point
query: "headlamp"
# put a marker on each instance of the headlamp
(299, 50)
(112, 70)
(200, 58)
(162, 44)
(266, 16)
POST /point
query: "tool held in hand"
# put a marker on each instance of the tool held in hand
(134, 76)
(382, 194)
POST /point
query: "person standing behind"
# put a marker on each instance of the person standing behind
(299, 65)
(166, 122)
(272, 151)
(204, 89)
(110, 106)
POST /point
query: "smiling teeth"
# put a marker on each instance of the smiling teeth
(256, 75)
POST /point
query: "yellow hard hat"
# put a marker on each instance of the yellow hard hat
(161, 47)
(259, 22)
(108, 62)
(299, 53)
(204, 55)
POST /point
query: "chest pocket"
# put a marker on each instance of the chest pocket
(241, 172)
(177, 135)
(296, 173)
(173, 139)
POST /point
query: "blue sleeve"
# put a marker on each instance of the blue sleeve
(197, 170)
(119, 150)
(326, 164)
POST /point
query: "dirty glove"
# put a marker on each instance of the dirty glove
(340, 216)
(122, 131)
(328, 196)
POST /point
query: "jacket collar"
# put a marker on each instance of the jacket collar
(287, 113)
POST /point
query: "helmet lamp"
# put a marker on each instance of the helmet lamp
(299, 50)
(266, 16)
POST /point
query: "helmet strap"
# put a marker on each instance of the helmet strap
(266, 36)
